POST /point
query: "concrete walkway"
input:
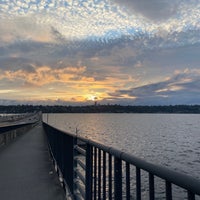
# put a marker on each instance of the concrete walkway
(26, 170)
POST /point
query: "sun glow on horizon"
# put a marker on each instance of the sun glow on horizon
(92, 97)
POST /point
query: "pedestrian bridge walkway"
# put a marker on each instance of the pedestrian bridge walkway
(87, 169)
(26, 169)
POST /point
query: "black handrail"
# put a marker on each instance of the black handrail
(108, 170)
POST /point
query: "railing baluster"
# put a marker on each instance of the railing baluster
(74, 165)
(104, 175)
(118, 178)
(68, 161)
(151, 187)
(62, 155)
(138, 183)
(95, 173)
(168, 187)
(110, 176)
(128, 196)
(191, 196)
(89, 161)
(99, 174)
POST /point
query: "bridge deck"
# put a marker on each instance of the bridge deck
(26, 170)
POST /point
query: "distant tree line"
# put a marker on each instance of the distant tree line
(100, 109)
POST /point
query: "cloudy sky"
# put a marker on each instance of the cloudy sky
(72, 52)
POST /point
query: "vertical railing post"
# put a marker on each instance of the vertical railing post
(118, 178)
(99, 174)
(95, 174)
(68, 165)
(110, 183)
(89, 162)
(168, 188)
(128, 196)
(138, 183)
(74, 167)
(63, 154)
(151, 187)
(191, 196)
(104, 175)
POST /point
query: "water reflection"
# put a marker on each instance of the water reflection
(172, 140)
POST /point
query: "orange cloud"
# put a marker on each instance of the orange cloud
(66, 83)
(43, 75)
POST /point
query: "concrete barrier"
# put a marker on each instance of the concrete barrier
(9, 133)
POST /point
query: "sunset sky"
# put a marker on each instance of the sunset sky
(73, 52)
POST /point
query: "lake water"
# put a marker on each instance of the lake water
(172, 140)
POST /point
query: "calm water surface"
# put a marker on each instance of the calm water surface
(172, 140)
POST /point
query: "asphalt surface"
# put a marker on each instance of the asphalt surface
(26, 170)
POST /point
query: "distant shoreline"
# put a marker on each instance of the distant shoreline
(181, 109)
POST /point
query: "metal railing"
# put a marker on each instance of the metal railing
(94, 171)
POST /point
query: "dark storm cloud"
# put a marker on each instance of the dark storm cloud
(118, 52)
(16, 64)
(172, 58)
(122, 51)
(153, 9)
(182, 88)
